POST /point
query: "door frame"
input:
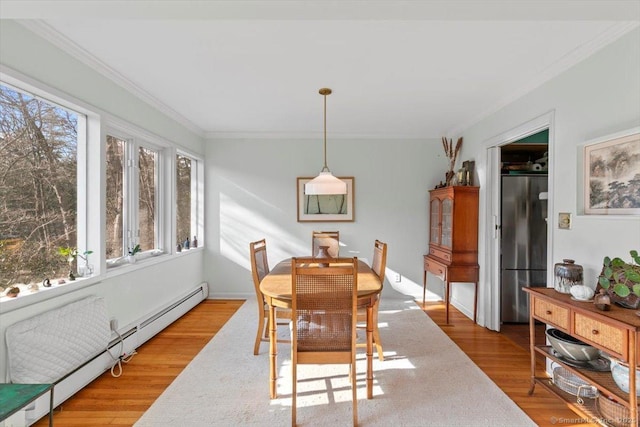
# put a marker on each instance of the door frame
(491, 309)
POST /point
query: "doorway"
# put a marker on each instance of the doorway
(490, 221)
(523, 223)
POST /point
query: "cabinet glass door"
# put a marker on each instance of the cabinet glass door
(447, 222)
(434, 233)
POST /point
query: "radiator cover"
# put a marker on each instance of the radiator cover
(46, 347)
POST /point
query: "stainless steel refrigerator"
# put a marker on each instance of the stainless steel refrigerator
(523, 242)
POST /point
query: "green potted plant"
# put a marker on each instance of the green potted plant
(621, 280)
(131, 257)
(71, 254)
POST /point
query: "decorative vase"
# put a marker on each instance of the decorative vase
(131, 259)
(567, 274)
(323, 252)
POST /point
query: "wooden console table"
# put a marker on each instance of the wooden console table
(614, 332)
(14, 397)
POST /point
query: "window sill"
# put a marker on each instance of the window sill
(26, 298)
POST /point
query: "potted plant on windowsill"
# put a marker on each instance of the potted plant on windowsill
(621, 280)
(71, 254)
(131, 257)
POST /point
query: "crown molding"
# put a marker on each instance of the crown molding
(578, 55)
(47, 32)
(431, 10)
(284, 136)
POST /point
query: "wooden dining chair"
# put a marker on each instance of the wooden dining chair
(331, 239)
(378, 265)
(259, 269)
(324, 310)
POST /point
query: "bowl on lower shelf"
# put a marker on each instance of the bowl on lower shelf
(620, 374)
(571, 348)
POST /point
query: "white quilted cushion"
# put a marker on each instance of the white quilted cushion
(46, 347)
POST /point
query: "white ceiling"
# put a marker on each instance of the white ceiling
(412, 69)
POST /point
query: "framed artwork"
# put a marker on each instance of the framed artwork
(325, 208)
(612, 176)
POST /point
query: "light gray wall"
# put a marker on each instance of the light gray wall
(251, 190)
(595, 98)
(140, 289)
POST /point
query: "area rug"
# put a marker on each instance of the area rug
(425, 380)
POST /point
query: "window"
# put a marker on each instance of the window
(132, 196)
(189, 209)
(39, 144)
(147, 209)
(70, 177)
(115, 197)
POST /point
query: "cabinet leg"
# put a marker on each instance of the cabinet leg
(446, 301)
(424, 287)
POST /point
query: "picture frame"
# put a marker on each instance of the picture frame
(612, 175)
(326, 208)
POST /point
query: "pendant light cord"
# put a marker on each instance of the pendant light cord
(324, 92)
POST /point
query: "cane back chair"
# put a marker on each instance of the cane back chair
(324, 317)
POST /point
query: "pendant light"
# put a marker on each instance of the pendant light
(325, 182)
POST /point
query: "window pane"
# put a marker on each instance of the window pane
(147, 199)
(183, 199)
(115, 197)
(38, 205)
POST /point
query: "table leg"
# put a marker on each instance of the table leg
(273, 352)
(51, 407)
(370, 351)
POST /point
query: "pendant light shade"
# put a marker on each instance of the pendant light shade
(325, 183)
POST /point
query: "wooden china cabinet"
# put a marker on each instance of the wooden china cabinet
(453, 240)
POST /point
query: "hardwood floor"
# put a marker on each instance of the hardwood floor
(504, 357)
(110, 401)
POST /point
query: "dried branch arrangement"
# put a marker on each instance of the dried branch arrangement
(452, 155)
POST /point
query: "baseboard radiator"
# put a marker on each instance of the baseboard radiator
(72, 345)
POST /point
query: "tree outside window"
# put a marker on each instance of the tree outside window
(38, 187)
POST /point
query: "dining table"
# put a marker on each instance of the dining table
(276, 288)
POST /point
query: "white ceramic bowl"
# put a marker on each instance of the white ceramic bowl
(571, 348)
(620, 374)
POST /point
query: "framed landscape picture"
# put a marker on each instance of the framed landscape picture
(612, 176)
(325, 208)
